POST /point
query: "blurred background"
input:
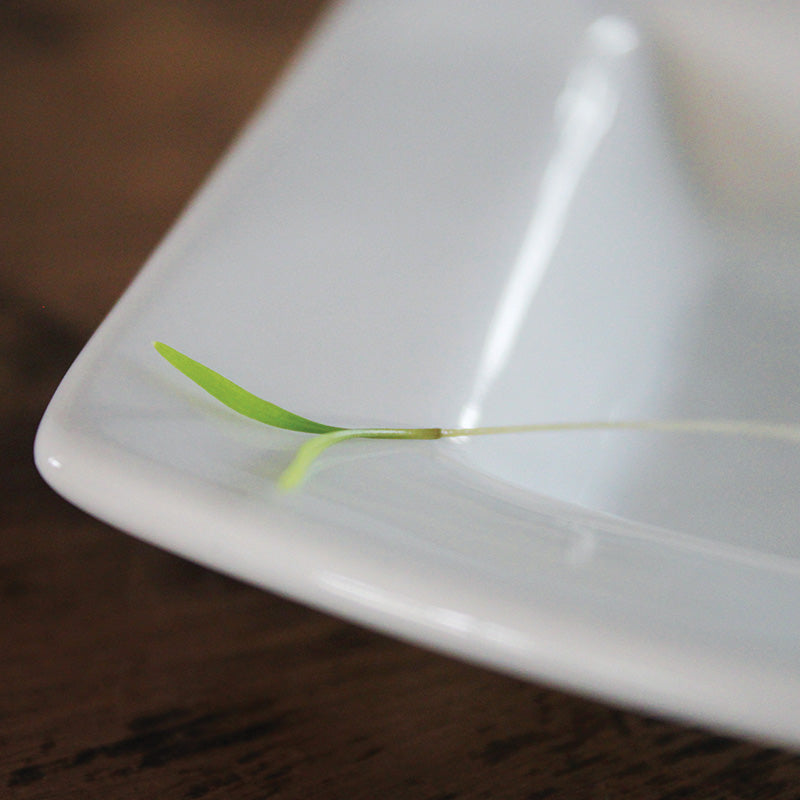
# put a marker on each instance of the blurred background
(112, 113)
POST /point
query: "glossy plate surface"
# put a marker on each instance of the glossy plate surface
(455, 213)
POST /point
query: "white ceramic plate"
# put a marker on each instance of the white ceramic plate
(456, 212)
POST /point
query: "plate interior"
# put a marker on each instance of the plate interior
(454, 215)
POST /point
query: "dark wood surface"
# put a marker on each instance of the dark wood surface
(129, 673)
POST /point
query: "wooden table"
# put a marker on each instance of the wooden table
(129, 673)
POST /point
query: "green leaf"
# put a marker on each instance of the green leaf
(236, 397)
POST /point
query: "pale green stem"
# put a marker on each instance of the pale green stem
(311, 450)
(761, 430)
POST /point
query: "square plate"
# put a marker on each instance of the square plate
(454, 213)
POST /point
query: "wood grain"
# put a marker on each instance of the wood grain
(129, 673)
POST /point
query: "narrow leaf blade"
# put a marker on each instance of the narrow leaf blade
(307, 453)
(294, 474)
(237, 398)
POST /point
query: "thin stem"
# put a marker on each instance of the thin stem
(762, 430)
(313, 448)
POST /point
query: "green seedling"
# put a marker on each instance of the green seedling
(249, 405)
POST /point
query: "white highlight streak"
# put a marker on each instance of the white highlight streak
(584, 113)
